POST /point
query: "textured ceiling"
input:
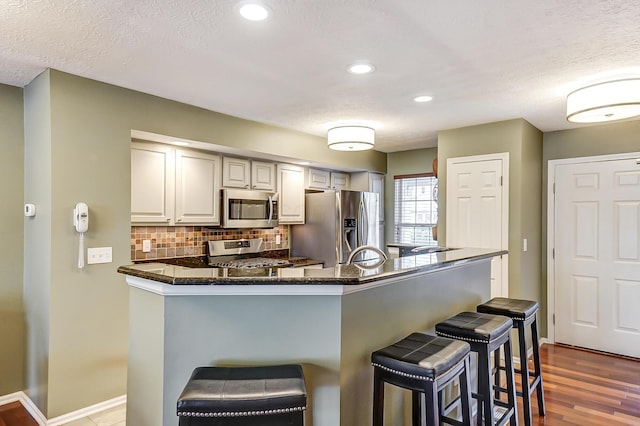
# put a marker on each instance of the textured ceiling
(482, 61)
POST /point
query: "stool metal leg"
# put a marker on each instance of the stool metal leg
(524, 373)
(465, 392)
(537, 367)
(511, 383)
(378, 398)
(416, 408)
(432, 406)
(485, 406)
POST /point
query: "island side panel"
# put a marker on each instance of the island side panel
(145, 369)
(378, 317)
(255, 330)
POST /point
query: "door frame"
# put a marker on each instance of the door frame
(551, 232)
(504, 243)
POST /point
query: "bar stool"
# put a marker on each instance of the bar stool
(247, 396)
(486, 334)
(423, 364)
(523, 313)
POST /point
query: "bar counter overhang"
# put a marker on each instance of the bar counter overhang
(327, 320)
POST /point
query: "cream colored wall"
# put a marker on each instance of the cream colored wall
(12, 322)
(403, 163)
(86, 158)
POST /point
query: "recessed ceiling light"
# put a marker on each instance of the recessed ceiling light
(254, 12)
(361, 68)
(423, 98)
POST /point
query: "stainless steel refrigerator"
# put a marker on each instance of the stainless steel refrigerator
(337, 222)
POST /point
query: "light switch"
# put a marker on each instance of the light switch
(278, 239)
(524, 245)
(99, 255)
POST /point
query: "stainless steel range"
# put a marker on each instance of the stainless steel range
(242, 254)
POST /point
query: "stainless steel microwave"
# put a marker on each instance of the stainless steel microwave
(242, 208)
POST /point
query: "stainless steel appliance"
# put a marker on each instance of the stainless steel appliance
(242, 208)
(241, 254)
(336, 223)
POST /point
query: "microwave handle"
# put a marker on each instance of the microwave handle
(271, 200)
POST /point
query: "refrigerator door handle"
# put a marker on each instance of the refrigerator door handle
(363, 226)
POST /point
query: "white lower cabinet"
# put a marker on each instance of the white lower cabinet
(173, 186)
(291, 194)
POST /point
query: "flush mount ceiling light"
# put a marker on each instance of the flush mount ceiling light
(361, 68)
(608, 101)
(254, 12)
(423, 98)
(351, 138)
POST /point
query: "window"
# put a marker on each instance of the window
(416, 208)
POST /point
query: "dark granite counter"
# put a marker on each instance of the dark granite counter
(195, 274)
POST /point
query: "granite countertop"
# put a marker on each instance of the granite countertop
(341, 274)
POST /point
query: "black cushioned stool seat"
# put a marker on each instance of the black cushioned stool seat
(523, 313)
(265, 395)
(423, 364)
(486, 334)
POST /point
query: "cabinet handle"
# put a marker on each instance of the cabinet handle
(168, 219)
(246, 186)
(179, 220)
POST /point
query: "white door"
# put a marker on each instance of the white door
(597, 255)
(477, 209)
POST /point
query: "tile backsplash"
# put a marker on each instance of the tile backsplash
(178, 241)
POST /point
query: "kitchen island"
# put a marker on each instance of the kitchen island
(328, 320)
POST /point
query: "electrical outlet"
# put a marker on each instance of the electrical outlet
(146, 246)
(99, 255)
(524, 245)
(278, 239)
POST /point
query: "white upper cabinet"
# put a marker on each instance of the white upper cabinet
(263, 176)
(244, 173)
(174, 187)
(152, 183)
(197, 188)
(236, 172)
(291, 194)
(325, 179)
(340, 180)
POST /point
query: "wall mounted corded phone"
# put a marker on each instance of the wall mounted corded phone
(81, 223)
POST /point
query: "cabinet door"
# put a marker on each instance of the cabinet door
(339, 180)
(319, 179)
(197, 188)
(152, 183)
(263, 176)
(291, 193)
(236, 172)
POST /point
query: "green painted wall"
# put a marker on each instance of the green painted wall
(80, 130)
(12, 323)
(403, 163)
(37, 236)
(523, 142)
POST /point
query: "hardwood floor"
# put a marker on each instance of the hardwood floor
(580, 388)
(588, 388)
(13, 414)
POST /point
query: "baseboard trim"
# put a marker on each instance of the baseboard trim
(87, 411)
(28, 405)
(40, 418)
